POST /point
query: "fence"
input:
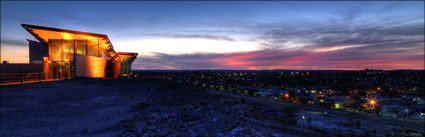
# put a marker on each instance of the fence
(22, 78)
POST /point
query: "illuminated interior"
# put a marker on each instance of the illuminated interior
(98, 44)
(125, 62)
(45, 35)
(64, 45)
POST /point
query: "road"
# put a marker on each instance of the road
(381, 124)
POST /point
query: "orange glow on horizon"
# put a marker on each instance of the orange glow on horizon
(234, 60)
(252, 59)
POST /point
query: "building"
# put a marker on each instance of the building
(68, 53)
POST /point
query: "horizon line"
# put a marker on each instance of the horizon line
(276, 69)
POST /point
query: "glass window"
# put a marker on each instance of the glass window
(81, 46)
(92, 46)
(68, 50)
(55, 50)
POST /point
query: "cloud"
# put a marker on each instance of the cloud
(268, 59)
(13, 42)
(183, 61)
(279, 59)
(351, 43)
(202, 36)
(334, 35)
(392, 40)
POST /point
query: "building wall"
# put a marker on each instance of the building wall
(37, 51)
(90, 66)
(113, 69)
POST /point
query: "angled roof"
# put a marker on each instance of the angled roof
(128, 53)
(27, 27)
(43, 34)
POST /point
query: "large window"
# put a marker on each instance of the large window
(63, 50)
(55, 50)
(93, 47)
(68, 50)
(81, 47)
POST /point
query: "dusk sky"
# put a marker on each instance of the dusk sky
(235, 35)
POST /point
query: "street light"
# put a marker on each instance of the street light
(407, 116)
(407, 113)
(372, 103)
(303, 117)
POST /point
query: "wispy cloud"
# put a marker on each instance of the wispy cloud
(389, 44)
(279, 59)
(13, 42)
(269, 35)
(202, 36)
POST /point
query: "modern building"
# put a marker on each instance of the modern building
(68, 53)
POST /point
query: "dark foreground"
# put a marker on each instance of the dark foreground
(90, 107)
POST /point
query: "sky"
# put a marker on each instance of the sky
(235, 35)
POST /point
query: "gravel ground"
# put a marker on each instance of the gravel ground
(95, 107)
(67, 108)
(98, 107)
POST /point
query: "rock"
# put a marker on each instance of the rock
(151, 128)
(85, 131)
(129, 133)
(202, 132)
(172, 135)
(165, 116)
(127, 124)
(236, 130)
(163, 132)
(142, 106)
(191, 117)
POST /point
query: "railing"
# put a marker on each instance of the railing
(22, 78)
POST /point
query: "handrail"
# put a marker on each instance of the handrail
(23, 77)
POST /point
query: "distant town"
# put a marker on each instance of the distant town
(388, 94)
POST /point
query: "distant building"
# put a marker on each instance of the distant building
(69, 53)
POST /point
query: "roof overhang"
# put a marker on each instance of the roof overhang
(132, 55)
(43, 34)
(128, 53)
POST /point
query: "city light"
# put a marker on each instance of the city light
(337, 106)
(372, 103)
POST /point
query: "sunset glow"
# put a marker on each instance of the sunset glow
(216, 35)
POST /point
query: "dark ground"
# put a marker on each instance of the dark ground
(88, 107)
(94, 107)
(65, 108)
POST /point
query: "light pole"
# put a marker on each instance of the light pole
(407, 113)
(339, 124)
(303, 117)
(405, 120)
